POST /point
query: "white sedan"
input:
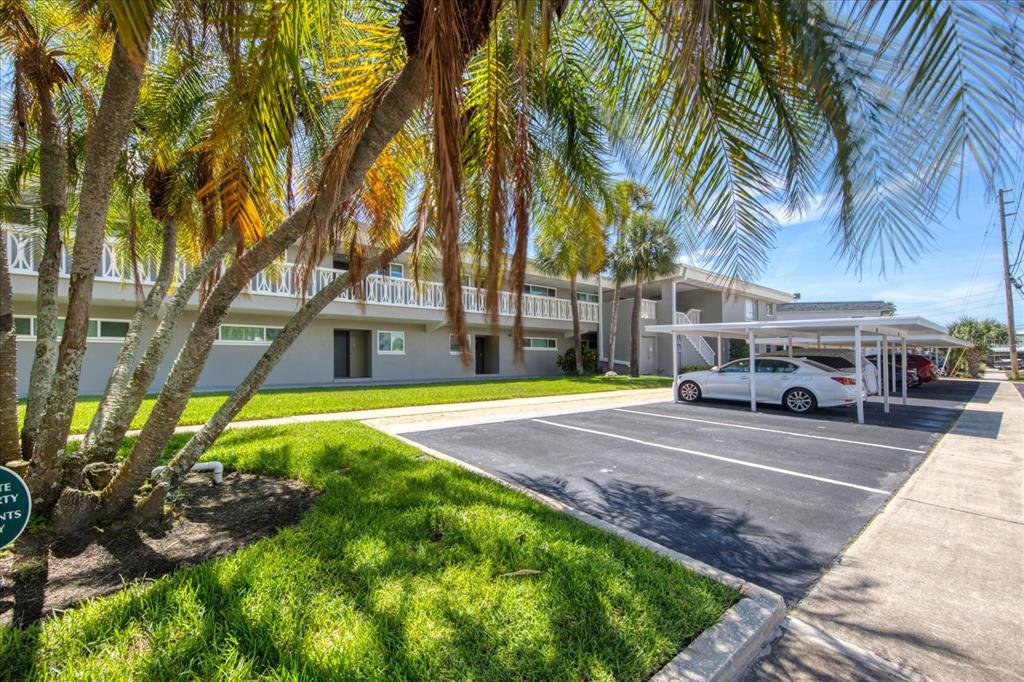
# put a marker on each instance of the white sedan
(799, 385)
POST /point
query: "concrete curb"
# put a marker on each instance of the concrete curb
(722, 652)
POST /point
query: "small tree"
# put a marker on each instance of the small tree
(982, 335)
(626, 198)
(649, 250)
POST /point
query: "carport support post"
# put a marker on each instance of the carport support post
(753, 372)
(718, 355)
(884, 368)
(858, 369)
(880, 374)
(904, 391)
(675, 367)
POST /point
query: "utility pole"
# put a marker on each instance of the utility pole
(1007, 279)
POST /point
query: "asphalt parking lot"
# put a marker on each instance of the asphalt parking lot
(771, 497)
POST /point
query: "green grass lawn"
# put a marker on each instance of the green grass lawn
(285, 403)
(395, 573)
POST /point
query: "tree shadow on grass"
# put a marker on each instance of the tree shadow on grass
(396, 552)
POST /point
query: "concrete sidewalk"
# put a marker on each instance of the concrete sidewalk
(391, 418)
(935, 583)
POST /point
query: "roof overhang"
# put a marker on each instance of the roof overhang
(834, 331)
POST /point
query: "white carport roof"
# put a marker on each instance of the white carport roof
(850, 332)
(833, 331)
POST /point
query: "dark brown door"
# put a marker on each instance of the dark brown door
(342, 368)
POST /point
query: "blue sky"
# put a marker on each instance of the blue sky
(958, 272)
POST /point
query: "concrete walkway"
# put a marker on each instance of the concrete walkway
(392, 418)
(935, 583)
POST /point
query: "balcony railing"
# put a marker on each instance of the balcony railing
(280, 280)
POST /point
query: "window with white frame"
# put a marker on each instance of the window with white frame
(769, 309)
(749, 310)
(586, 297)
(466, 280)
(540, 343)
(538, 290)
(24, 326)
(393, 270)
(390, 343)
(453, 343)
(98, 330)
(245, 333)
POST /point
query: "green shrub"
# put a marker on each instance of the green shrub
(567, 361)
(693, 368)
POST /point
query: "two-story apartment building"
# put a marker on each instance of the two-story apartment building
(398, 333)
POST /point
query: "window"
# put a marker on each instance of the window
(466, 280)
(749, 310)
(736, 366)
(393, 270)
(769, 309)
(453, 343)
(98, 330)
(24, 326)
(768, 366)
(241, 333)
(340, 262)
(391, 342)
(537, 290)
(586, 297)
(539, 343)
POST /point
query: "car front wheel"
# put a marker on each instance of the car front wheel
(689, 392)
(799, 400)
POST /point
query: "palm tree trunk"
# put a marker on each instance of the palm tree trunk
(577, 341)
(634, 344)
(106, 141)
(127, 355)
(8, 363)
(77, 509)
(183, 461)
(125, 403)
(52, 189)
(614, 325)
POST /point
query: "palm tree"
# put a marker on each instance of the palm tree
(982, 335)
(570, 244)
(626, 198)
(649, 250)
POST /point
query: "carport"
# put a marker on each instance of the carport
(888, 334)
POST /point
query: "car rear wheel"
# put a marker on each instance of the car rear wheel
(799, 400)
(689, 391)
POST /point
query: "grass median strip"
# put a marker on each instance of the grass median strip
(405, 568)
(272, 403)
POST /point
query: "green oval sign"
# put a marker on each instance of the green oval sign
(15, 506)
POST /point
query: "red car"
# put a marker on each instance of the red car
(924, 366)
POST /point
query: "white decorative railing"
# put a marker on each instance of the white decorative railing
(699, 344)
(280, 280)
(648, 309)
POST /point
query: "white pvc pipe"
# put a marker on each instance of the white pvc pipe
(216, 467)
(905, 368)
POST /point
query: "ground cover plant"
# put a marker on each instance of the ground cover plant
(289, 402)
(405, 568)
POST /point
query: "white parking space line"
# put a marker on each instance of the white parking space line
(779, 431)
(697, 453)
